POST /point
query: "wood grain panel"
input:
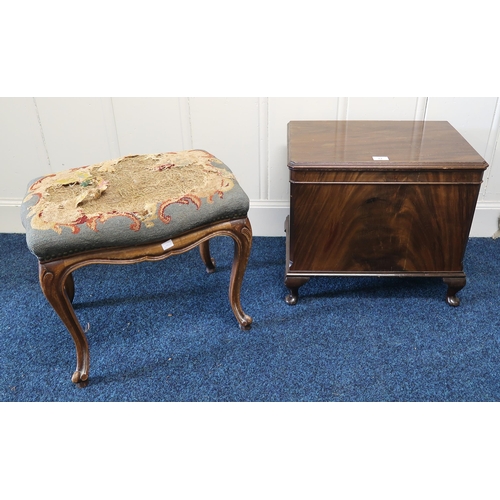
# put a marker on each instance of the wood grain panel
(386, 228)
(378, 176)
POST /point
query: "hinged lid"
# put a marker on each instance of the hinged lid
(379, 144)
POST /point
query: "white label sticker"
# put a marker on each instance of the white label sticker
(168, 244)
(381, 158)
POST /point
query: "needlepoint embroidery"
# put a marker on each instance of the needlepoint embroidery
(140, 188)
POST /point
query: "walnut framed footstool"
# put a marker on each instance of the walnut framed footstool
(129, 210)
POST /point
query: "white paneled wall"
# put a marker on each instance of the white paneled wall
(22, 150)
(74, 130)
(228, 127)
(474, 119)
(42, 135)
(385, 108)
(146, 124)
(281, 110)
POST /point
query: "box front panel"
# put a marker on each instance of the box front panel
(380, 227)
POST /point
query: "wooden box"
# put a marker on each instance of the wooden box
(379, 198)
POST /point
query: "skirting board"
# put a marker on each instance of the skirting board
(268, 218)
(485, 222)
(10, 218)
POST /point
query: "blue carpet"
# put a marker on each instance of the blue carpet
(164, 331)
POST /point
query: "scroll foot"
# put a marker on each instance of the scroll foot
(246, 323)
(79, 377)
(454, 286)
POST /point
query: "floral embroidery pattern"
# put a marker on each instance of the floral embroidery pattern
(137, 187)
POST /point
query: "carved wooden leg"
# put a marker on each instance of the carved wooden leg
(454, 286)
(241, 232)
(293, 283)
(56, 285)
(205, 256)
(70, 287)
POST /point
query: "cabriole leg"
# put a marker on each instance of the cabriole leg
(70, 287)
(205, 256)
(293, 284)
(454, 286)
(242, 235)
(57, 286)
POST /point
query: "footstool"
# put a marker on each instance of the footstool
(129, 210)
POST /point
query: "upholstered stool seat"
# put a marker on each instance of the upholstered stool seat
(128, 210)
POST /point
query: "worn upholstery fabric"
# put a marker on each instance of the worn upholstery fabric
(129, 201)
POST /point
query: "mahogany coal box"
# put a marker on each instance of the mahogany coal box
(379, 198)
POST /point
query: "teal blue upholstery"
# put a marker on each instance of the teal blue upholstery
(129, 201)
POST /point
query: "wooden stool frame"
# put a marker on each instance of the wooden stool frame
(57, 282)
